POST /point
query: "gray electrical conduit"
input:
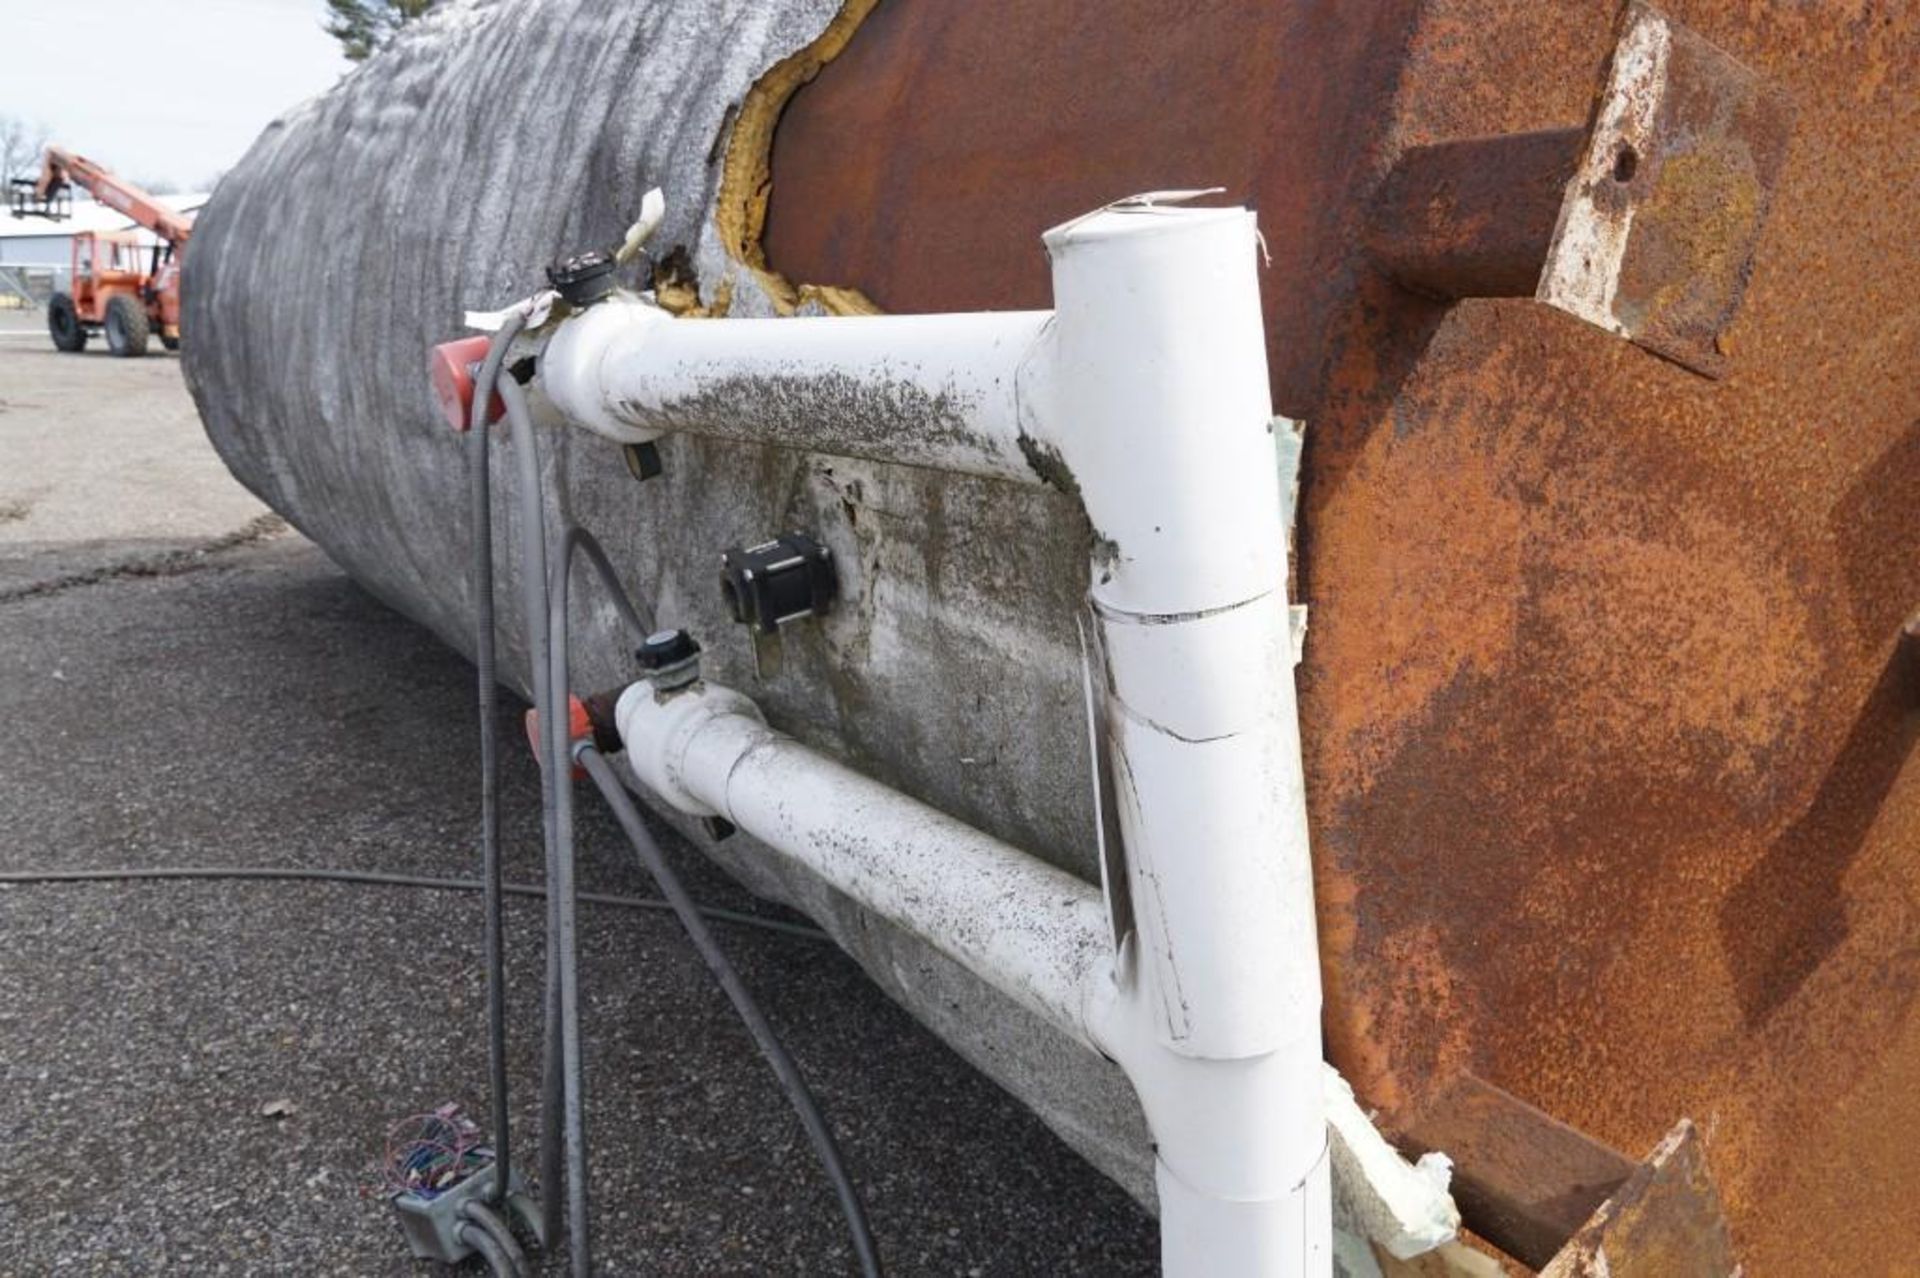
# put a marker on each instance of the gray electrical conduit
(563, 1091)
(557, 791)
(555, 1081)
(554, 732)
(533, 569)
(485, 1232)
(561, 1074)
(555, 729)
(563, 937)
(480, 501)
(578, 538)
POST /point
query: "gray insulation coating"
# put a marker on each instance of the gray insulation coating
(490, 139)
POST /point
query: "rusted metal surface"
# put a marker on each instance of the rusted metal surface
(1524, 1181)
(1665, 1220)
(918, 164)
(1475, 217)
(1612, 806)
(1644, 223)
(1910, 648)
(1656, 238)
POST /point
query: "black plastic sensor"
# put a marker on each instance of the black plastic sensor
(778, 581)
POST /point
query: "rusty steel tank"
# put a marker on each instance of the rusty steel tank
(1607, 347)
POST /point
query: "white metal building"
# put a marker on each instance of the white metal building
(36, 244)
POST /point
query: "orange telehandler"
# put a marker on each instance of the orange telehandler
(120, 286)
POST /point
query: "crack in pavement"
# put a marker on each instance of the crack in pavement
(166, 563)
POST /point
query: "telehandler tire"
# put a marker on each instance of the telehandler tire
(127, 326)
(63, 322)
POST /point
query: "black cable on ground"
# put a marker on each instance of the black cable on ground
(376, 878)
(480, 498)
(784, 1069)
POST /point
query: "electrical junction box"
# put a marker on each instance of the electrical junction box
(432, 1225)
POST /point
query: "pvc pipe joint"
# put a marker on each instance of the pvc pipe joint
(1145, 393)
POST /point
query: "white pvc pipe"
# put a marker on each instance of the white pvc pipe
(1034, 932)
(1154, 388)
(934, 391)
(1145, 392)
(1155, 384)
(1230, 1201)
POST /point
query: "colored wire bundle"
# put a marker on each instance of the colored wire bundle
(428, 1154)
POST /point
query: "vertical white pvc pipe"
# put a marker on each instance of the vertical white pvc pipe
(1153, 385)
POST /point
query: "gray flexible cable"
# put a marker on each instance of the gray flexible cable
(480, 499)
(476, 1237)
(496, 1228)
(556, 731)
(578, 538)
(377, 878)
(563, 1085)
(792, 1082)
(532, 544)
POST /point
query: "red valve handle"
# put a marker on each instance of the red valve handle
(450, 366)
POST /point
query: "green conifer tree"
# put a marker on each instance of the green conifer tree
(363, 26)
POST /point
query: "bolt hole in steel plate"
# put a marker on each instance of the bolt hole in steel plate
(1659, 226)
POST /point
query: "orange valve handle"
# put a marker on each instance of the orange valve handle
(579, 728)
(451, 367)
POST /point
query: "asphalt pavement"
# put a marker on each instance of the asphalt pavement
(196, 1078)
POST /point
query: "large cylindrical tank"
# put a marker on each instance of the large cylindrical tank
(1609, 727)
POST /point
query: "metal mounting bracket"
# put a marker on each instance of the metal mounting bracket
(1644, 223)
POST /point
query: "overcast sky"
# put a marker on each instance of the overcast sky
(172, 91)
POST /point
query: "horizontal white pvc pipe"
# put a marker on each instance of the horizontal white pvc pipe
(1034, 932)
(934, 391)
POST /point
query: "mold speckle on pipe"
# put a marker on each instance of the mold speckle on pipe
(1050, 466)
(787, 409)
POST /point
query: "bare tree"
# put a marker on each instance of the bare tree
(20, 147)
